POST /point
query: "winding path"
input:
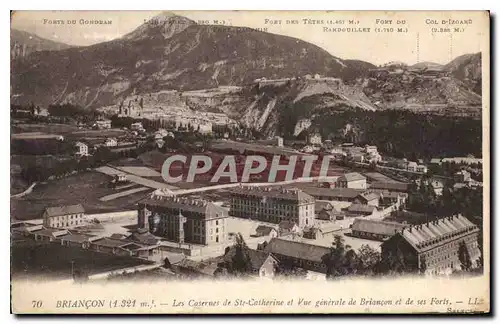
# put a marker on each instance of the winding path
(25, 192)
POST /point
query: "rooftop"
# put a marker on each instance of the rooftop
(184, 204)
(280, 193)
(352, 176)
(332, 193)
(376, 227)
(428, 235)
(359, 208)
(264, 229)
(257, 258)
(297, 250)
(370, 196)
(286, 225)
(109, 242)
(391, 186)
(64, 210)
(77, 238)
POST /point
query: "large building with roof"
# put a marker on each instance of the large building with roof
(273, 205)
(298, 254)
(64, 216)
(433, 247)
(374, 229)
(352, 180)
(184, 220)
(336, 194)
(390, 186)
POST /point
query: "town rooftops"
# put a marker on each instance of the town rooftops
(359, 208)
(279, 193)
(333, 193)
(299, 250)
(376, 227)
(351, 176)
(428, 235)
(64, 210)
(390, 186)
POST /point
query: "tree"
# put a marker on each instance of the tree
(394, 263)
(341, 260)
(464, 256)
(240, 260)
(368, 259)
(423, 265)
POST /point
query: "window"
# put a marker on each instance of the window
(216, 222)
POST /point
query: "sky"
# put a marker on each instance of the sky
(419, 43)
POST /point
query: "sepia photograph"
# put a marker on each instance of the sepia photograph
(249, 161)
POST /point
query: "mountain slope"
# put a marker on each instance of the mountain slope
(467, 68)
(175, 53)
(23, 43)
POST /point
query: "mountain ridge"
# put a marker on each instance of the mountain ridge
(23, 43)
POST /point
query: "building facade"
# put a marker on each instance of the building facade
(314, 139)
(103, 124)
(273, 205)
(64, 216)
(82, 149)
(433, 247)
(184, 220)
(352, 180)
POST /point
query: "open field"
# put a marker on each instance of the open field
(34, 135)
(31, 259)
(62, 129)
(97, 133)
(72, 132)
(85, 188)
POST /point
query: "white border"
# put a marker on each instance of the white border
(198, 5)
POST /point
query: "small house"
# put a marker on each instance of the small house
(351, 180)
(288, 228)
(82, 149)
(371, 199)
(263, 230)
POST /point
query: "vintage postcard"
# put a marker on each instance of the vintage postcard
(218, 162)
